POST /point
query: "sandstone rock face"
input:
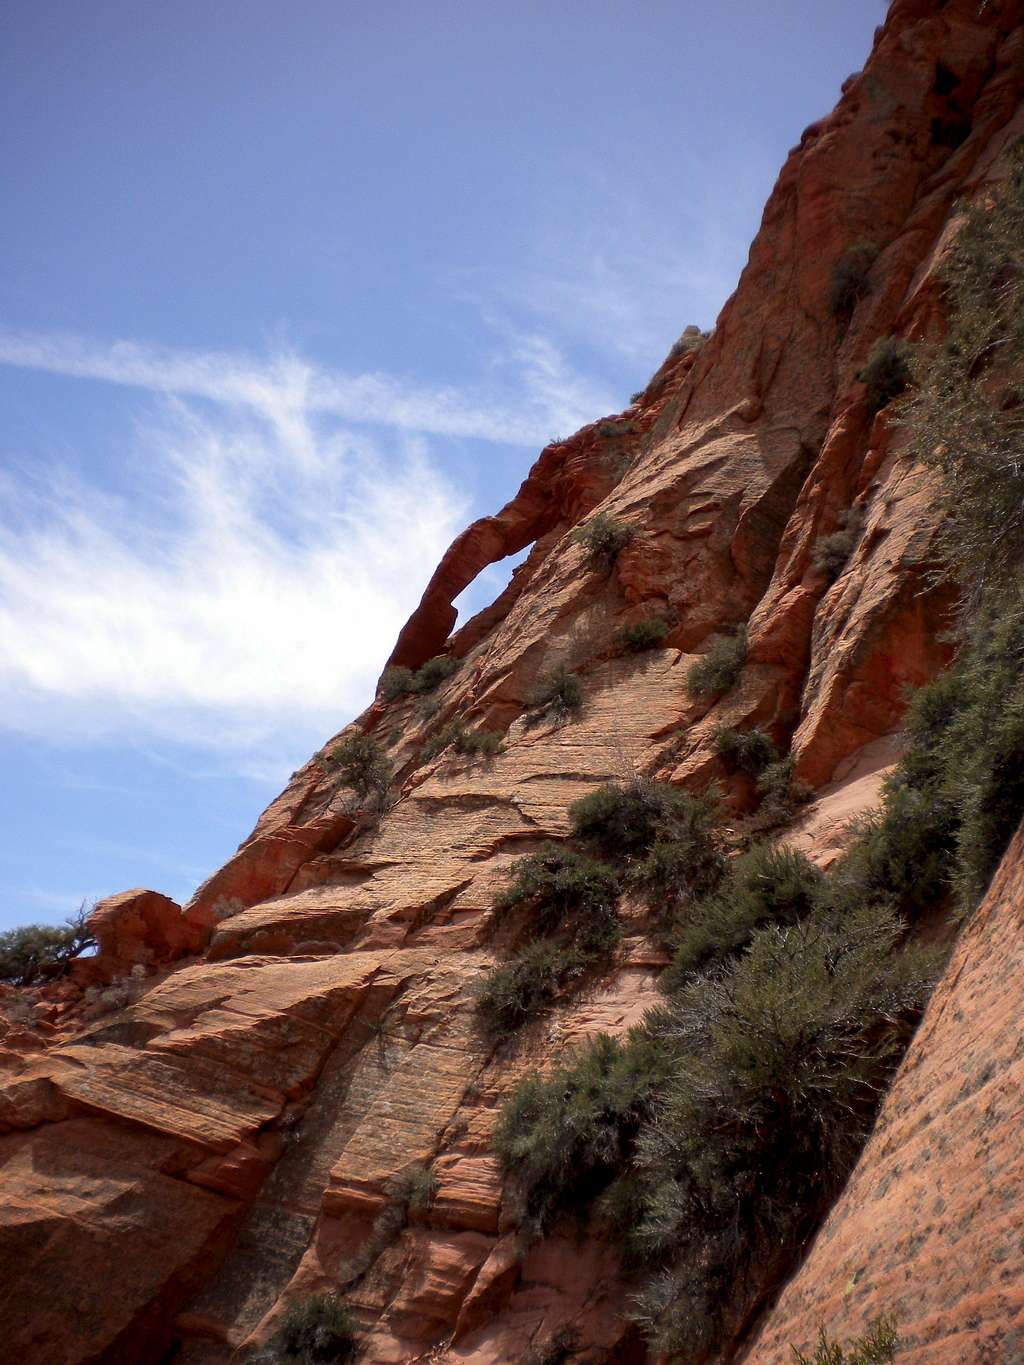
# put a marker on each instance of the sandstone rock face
(237, 1135)
(140, 927)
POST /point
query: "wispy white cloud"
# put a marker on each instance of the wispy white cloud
(268, 536)
(288, 390)
(252, 577)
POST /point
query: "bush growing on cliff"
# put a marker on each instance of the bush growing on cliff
(766, 885)
(643, 635)
(849, 283)
(604, 538)
(319, 1330)
(471, 743)
(722, 1128)
(362, 765)
(624, 821)
(718, 669)
(558, 694)
(558, 888)
(958, 796)
(878, 1346)
(512, 994)
(568, 900)
(886, 372)
(43, 950)
(966, 417)
(747, 751)
(779, 1061)
(563, 1137)
(402, 682)
(831, 553)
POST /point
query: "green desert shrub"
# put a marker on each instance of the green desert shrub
(886, 371)
(878, 1346)
(563, 1137)
(512, 994)
(43, 950)
(604, 538)
(434, 672)
(684, 861)
(558, 694)
(717, 670)
(831, 553)
(779, 793)
(778, 1063)
(396, 682)
(849, 282)
(362, 764)
(748, 751)
(556, 889)
(646, 634)
(766, 885)
(401, 682)
(966, 415)
(471, 743)
(414, 1189)
(956, 798)
(319, 1330)
(624, 821)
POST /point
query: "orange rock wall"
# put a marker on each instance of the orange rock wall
(172, 1170)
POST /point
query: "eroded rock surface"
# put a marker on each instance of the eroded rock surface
(233, 1137)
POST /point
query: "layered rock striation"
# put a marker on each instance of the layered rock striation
(301, 1037)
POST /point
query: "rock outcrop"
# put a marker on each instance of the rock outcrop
(173, 1171)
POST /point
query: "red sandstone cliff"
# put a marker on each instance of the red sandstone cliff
(173, 1169)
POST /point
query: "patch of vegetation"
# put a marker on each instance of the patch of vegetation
(878, 1346)
(471, 743)
(849, 283)
(779, 1064)
(746, 751)
(966, 416)
(604, 538)
(886, 372)
(402, 682)
(568, 900)
(954, 803)
(722, 1128)
(319, 1330)
(557, 889)
(624, 821)
(766, 885)
(415, 1189)
(664, 838)
(831, 553)
(32, 951)
(717, 670)
(510, 995)
(558, 694)
(637, 397)
(362, 764)
(647, 634)
(562, 1138)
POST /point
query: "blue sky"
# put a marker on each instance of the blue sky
(290, 294)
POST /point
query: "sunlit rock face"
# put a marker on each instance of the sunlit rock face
(227, 1135)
